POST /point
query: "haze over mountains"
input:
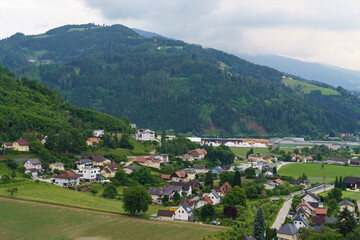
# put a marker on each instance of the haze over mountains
(161, 83)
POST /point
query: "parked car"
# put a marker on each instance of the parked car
(215, 223)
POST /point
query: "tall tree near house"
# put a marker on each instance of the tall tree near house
(274, 170)
(207, 212)
(340, 182)
(259, 225)
(346, 223)
(237, 178)
(209, 179)
(251, 151)
(336, 182)
(136, 199)
(177, 196)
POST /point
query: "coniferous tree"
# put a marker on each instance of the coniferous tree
(346, 223)
(259, 225)
(340, 182)
(237, 179)
(209, 179)
(336, 182)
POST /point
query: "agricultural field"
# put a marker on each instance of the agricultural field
(315, 172)
(307, 87)
(26, 220)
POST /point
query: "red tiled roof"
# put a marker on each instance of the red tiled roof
(278, 180)
(304, 203)
(22, 142)
(8, 144)
(207, 199)
(97, 158)
(93, 139)
(320, 211)
(191, 203)
(166, 176)
(180, 174)
(67, 175)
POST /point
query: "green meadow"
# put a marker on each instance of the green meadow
(307, 87)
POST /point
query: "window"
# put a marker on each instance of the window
(182, 211)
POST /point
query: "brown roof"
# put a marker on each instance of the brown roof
(8, 144)
(180, 174)
(191, 203)
(22, 142)
(32, 169)
(320, 211)
(304, 203)
(207, 199)
(97, 158)
(112, 167)
(68, 175)
(278, 180)
(93, 139)
(141, 159)
(165, 213)
(318, 220)
(166, 176)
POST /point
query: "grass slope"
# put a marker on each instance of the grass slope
(26, 220)
(307, 87)
(316, 173)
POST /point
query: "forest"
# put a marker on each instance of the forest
(166, 84)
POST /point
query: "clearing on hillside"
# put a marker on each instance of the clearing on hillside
(307, 87)
(28, 220)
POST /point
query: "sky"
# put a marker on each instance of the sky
(324, 31)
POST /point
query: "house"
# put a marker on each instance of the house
(300, 221)
(355, 162)
(184, 213)
(66, 179)
(352, 182)
(311, 198)
(158, 194)
(33, 171)
(98, 160)
(98, 133)
(130, 169)
(255, 157)
(90, 174)
(166, 177)
(347, 204)
(288, 232)
(179, 175)
(338, 161)
(321, 212)
(148, 161)
(308, 210)
(200, 169)
(145, 135)
(194, 184)
(173, 189)
(21, 145)
(33, 163)
(7, 146)
(270, 158)
(82, 163)
(190, 203)
(186, 157)
(186, 187)
(217, 170)
(92, 141)
(305, 183)
(59, 166)
(278, 181)
(215, 197)
(269, 173)
(269, 185)
(110, 169)
(297, 158)
(222, 191)
(164, 158)
(165, 215)
(198, 153)
(203, 201)
(191, 173)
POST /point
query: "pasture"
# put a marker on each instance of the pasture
(307, 87)
(28, 220)
(315, 172)
(241, 151)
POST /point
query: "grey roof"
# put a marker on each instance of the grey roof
(34, 161)
(215, 193)
(298, 217)
(83, 161)
(58, 164)
(185, 185)
(133, 167)
(288, 229)
(187, 208)
(160, 192)
(331, 219)
(172, 188)
(316, 197)
(199, 166)
(218, 169)
(346, 202)
(352, 180)
(189, 170)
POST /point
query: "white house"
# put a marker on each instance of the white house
(33, 163)
(66, 179)
(311, 198)
(82, 163)
(145, 135)
(98, 133)
(90, 174)
(33, 171)
(300, 221)
(184, 213)
(214, 196)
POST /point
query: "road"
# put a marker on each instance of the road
(287, 205)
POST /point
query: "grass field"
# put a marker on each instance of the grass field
(315, 172)
(347, 194)
(26, 220)
(307, 87)
(48, 193)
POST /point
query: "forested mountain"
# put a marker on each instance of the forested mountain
(166, 84)
(28, 107)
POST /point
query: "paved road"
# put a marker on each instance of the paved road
(287, 205)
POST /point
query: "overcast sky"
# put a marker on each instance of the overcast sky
(325, 31)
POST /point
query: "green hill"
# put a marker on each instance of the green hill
(27, 107)
(167, 84)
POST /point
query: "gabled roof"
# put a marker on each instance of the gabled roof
(331, 219)
(207, 199)
(187, 208)
(160, 192)
(346, 202)
(190, 203)
(166, 176)
(8, 144)
(288, 229)
(172, 188)
(338, 159)
(134, 167)
(351, 180)
(185, 185)
(320, 211)
(68, 175)
(97, 158)
(165, 213)
(213, 191)
(83, 161)
(318, 220)
(22, 142)
(199, 166)
(306, 204)
(34, 161)
(93, 139)
(58, 164)
(278, 180)
(316, 197)
(194, 184)
(298, 217)
(180, 174)
(113, 167)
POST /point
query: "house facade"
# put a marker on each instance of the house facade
(33, 163)
(90, 174)
(98, 160)
(59, 166)
(66, 179)
(145, 135)
(82, 163)
(21, 145)
(184, 213)
(109, 170)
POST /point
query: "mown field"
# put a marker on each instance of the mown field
(307, 87)
(27, 220)
(315, 172)
(346, 194)
(241, 151)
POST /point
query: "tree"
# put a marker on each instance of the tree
(259, 225)
(326, 236)
(251, 151)
(13, 174)
(226, 177)
(336, 182)
(177, 196)
(207, 212)
(336, 194)
(143, 176)
(235, 196)
(12, 191)
(121, 178)
(274, 170)
(44, 155)
(303, 177)
(136, 199)
(125, 142)
(250, 173)
(209, 179)
(5, 179)
(230, 212)
(11, 164)
(332, 205)
(165, 200)
(270, 233)
(295, 202)
(110, 191)
(346, 223)
(237, 179)
(354, 235)
(94, 190)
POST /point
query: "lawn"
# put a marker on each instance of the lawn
(315, 172)
(346, 194)
(307, 87)
(48, 193)
(26, 220)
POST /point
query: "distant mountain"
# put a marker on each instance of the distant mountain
(148, 34)
(163, 84)
(331, 75)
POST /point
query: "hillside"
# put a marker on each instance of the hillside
(167, 84)
(27, 107)
(313, 71)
